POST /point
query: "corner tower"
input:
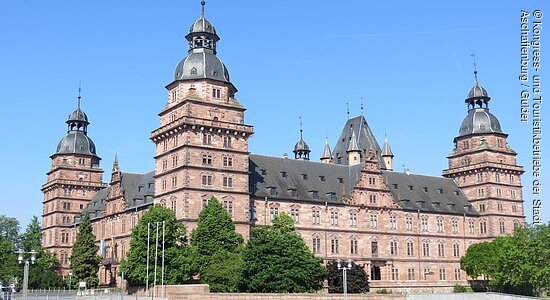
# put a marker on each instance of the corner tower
(202, 141)
(74, 178)
(485, 167)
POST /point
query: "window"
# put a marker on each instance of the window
(480, 192)
(394, 274)
(439, 223)
(352, 218)
(426, 248)
(512, 178)
(228, 206)
(66, 192)
(353, 246)
(499, 207)
(334, 217)
(207, 159)
(295, 214)
(442, 274)
(514, 207)
(228, 162)
(481, 207)
(372, 199)
(216, 93)
(373, 221)
(454, 226)
(273, 212)
(426, 273)
(513, 194)
(409, 222)
(393, 247)
(424, 223)
(472, 226)
(501, 226)
(334, 245)
(316, 216)
(441, 249)
(227, 182)
(206, 139)
(457, 274)
(410, 274)
(410, 248)
(174, 160)
(206, 179)
(173, 205)
(174, 181)
(84, 193)
(479, 176)
(483, 227)
(497, 177)
(316, 245)
(456, 250)
(227, 141)
(64, 237)
(374, 248)
(372, 180)
(164, 184)
(393, 222)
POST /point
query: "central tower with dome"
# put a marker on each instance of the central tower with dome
(202, 140)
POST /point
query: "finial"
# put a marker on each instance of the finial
(347, 105)
(301, 138)
(361, 105)
(202, 4)
(79, 90)
(116, 157)
(475, 66)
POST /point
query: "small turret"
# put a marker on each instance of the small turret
(387, 155)
(354, 153)
(326, 158)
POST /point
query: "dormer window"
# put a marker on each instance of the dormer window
(263, 172)
(322, 178)
(194, 71)
(340, 180)
(272, 191)
(283, 174)
(332, 196)
(304, 176)
(315, 195)
(425, 189)
(395, 186)
(451, 206)
(293, 192)
(440, 191)
(436, 205)
(410, 187)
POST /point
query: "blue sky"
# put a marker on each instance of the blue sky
(409, 60)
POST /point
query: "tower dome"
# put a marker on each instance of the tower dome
(479, 119)
(77, 141)
(201, 61)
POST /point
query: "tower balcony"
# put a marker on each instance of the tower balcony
(200, 124)
(483, 165)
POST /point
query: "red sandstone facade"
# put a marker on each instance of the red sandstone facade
(408, 231)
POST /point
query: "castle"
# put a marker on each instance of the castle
(407, 230)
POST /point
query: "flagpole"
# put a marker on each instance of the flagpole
(163, 230)
(147, 276)
(156, 252)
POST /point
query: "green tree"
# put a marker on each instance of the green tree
(42, 274)
(277, 260)
(9, 229)
(9, 267)
(177, 258)
(515, 263)
(216, 248)
(357, 279)
(84, 258)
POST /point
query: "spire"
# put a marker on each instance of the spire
(202, 4)
(115, 163)
(79, 97)
(361, 105)
(347, 106)
(353, 146)
(475, 68)
(301, 129)
(386, 150)
(327, 154)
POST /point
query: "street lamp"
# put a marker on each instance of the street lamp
(70, 279)
(21, 259)
(344, 275)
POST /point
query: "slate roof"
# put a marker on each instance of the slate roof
(139, 190)
(427, 193)
(365, 141)
(297, 180)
